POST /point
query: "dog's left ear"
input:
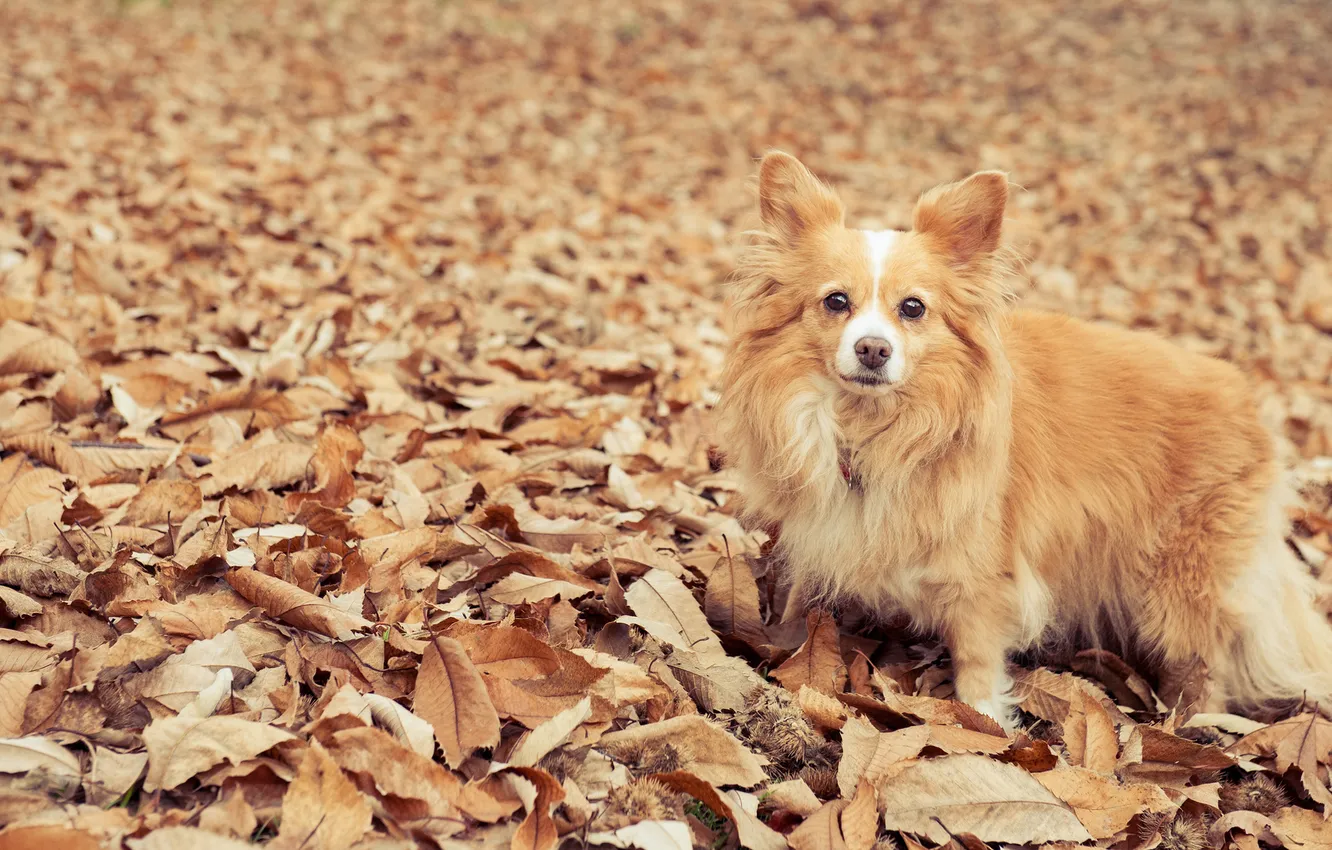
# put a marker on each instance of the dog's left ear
(792, 201)
(967, 216)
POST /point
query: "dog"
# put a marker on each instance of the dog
(1005, 478)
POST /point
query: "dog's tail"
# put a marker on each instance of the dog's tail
(1283, 650)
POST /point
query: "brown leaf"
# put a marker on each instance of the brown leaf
(821, 710)
(290, 604)
(15, 605)
(113, 773)
(751, 832)
(24, 349)
(180, 748)
(553, 733)
(517, 588)
(1126, 684)
(952, 739)
(321, 808)
(163, 499)
(615, 601)
(538, 830)
(1089, 734)
(1152, 754)
(39, 575)
(38, 837)
(1032, 756)
(870, 755)
(732, 602)
(394, 771)
(860, 820)
(14, 690)
(562, 535)
(174, 837)
(1308, 745)
(508, 652)
(970, 793)
(262, 467)
(821, 830)
(662, 599)
(1102, 804)
(818, 661)
(337, 451)
(451, 696)
(706, 750)
(22, 755)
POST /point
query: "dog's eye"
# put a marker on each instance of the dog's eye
(837, 302)
(911, 308)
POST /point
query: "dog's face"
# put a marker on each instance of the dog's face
(875, 312)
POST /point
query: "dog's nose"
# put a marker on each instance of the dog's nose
(873, 352)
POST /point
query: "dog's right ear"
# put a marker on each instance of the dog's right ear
(792, 201)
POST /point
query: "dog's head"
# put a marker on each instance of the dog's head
(877, 313)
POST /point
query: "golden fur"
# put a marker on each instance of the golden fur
(1029, 475)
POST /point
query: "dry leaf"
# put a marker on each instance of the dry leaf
(553, 733)
(517, 588)
(818, 661)
(647, 835)
(706, 750)
(401, 724)
(872, 756)
(321, 808)
(292, 605)
(452, 698)
(180, 748)
(821, 830)
(969, 793)
(1102, 804)
(732, 602)
(1089, 734)
(14, 691)
(21, 755)
(662, 599)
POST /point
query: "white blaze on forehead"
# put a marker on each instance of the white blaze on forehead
(869, 319)
(879, 244)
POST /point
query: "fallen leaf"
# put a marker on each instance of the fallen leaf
(1102, 804)
(706, 750)
(871, 756)
(860, 819)
(970, 793)
(290, 604)
(413, 731)
(662, 599)
(21, 755)
(14, 691)
(818, 661)
(452, 698)
(517, 588)
(549, 735)
(180, 748)
(1089, 734)
(321, 808)
(1152, 754)
(821, 830)
(732, 602)
(647, 835)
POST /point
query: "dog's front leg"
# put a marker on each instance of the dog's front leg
(979, 632)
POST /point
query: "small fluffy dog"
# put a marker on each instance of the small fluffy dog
(1002, 477)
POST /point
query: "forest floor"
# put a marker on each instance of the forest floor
(356, 362)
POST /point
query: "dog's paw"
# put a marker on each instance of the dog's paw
(1002, 710)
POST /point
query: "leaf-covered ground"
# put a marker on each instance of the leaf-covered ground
(355, 369)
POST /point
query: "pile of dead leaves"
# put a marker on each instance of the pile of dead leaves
(355, 370)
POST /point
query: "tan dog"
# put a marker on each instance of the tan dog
(1002, 477)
